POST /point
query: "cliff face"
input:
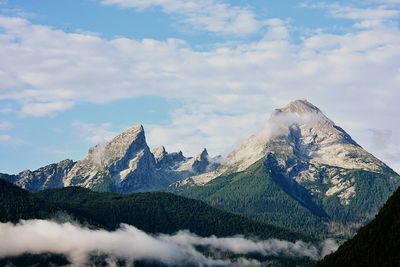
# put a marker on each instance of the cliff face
(50, 176)
(125, 164)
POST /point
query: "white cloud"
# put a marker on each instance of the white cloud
(209, 15)
(380, 138)
(382, 143)
(367, 17)
(5, 138)
(373, 13)
(40, 109)
(5, 125)
(196, 126)
(131, 244)
(224, 92)
(94, 133)
(394, 2)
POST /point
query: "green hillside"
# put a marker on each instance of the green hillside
(16, 204)
(263, 193)
(255, 194)
(376, 244)
(151, 212)
(156, 212)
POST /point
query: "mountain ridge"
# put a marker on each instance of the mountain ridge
(306, 158)
(125, 164)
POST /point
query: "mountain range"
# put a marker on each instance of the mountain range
(124, 165)
(301, 171)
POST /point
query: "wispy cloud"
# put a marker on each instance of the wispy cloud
(207, 15)
(12, 11)
(94, 133)
(131, 244)
(382, 141)
(5, 138)
(394, 2)
(5, 125)
(40, 109)
(366, 17)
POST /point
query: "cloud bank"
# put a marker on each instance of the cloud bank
(131, 244)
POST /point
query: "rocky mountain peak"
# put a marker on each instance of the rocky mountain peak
(300, 107)
(168, 161)
(203, 155)
(300, 130)
(120, 146)
(120, 160)
(200, 163)
(160, 153)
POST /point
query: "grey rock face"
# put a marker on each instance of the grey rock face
(201, 163)
(48, 177)
(125, 164)
(179, 167)
(168, 161)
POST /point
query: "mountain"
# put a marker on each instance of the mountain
(376, 244)
(301, 171)
(300, 133)
(125, 165)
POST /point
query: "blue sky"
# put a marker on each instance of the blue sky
(194, 73)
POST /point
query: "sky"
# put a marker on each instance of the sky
(194, 73)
